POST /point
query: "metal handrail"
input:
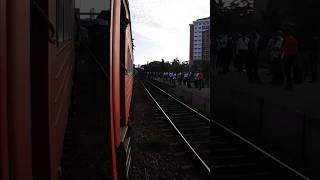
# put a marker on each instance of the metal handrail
(239, 137)
(176, 129)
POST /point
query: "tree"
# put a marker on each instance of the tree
(175, 65)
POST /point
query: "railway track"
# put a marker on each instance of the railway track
(194, 132)
(220, 151)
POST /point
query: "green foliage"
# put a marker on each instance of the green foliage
(164, 66)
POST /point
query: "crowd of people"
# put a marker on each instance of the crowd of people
(180, 78)
(244, 52)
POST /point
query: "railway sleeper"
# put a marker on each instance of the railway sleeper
(239, 158)
(191, 124)
(237, 167)
(198, 137)
(182, 115)
(196, 130)
(204, 145)
(264, 175)
(185, 120)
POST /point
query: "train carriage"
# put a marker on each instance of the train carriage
(121, 80)
(37, 59)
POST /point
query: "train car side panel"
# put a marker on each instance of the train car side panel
(128, 53)
(114, 81)
(4, 161)
(129, 86)
(18, 89)
(115, 67)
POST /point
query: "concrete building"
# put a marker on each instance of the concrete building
(191, 44)
(199, 40)
(206, 45)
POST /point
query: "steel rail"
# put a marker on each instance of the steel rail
(183, 104)
(284, 165)
(177, 130)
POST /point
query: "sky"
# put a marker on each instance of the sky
(161, 28)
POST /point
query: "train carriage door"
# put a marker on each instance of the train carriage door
(52, 59)
(39, 88)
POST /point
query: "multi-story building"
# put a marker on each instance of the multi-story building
(199, 40)
(206, 45)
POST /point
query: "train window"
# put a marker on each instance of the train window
(59, 23)
(65, 19)
(129, 63)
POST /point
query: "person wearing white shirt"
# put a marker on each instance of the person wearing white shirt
(179, 76)
(242, 51)
(276, 58)
(185, 78)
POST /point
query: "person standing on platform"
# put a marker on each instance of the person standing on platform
(228, 54)
(189, 79)
(242, 49)
(196, 80)
(170, 77)
(174, 77)
(179, 76)
(276, 61)
(223, 50)
(252, 60)
(314, 57)
(200, 80)
(290, 53)
(185, 78)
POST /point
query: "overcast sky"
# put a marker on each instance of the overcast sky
(161, 27)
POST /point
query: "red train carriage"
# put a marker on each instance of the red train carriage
(121, 81)
(15, 147)
(37, 62)
(36, 79)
